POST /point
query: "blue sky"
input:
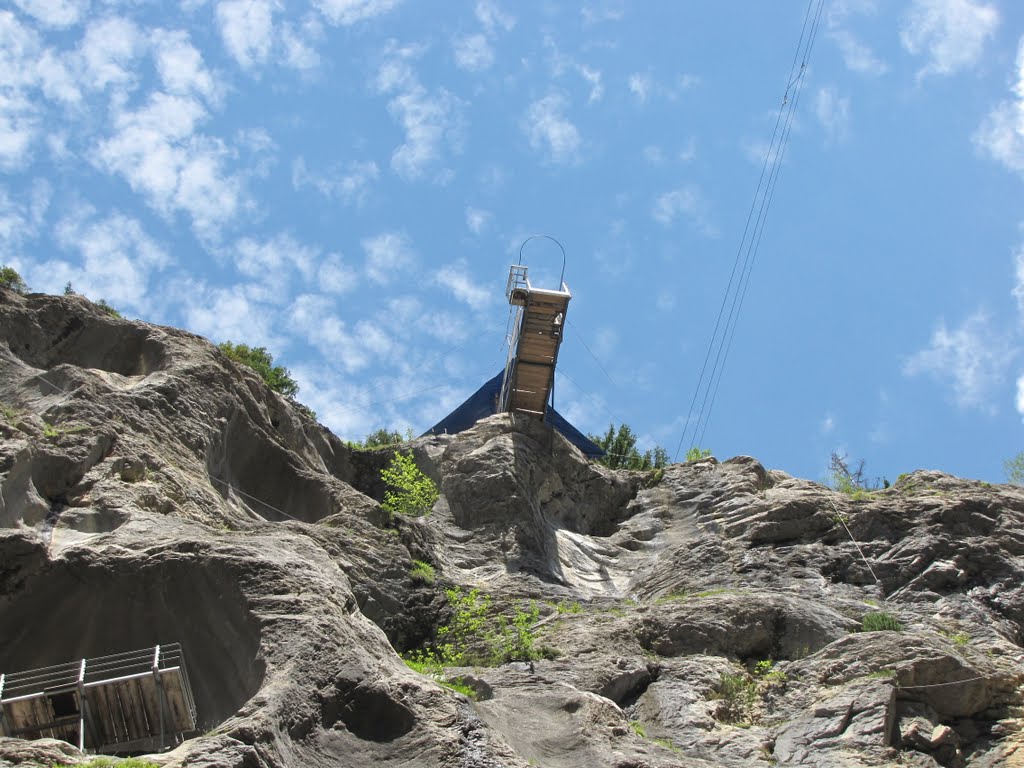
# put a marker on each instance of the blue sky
(347, 181)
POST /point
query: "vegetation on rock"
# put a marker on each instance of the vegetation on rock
(1014, 469)
(621, 452)
(276, 377)
(11, 280)
(880, 622)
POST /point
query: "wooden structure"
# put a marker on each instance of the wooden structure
(536, 334)
(133, 702)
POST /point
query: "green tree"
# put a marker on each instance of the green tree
(410, 492)
(277, 377)
(1015, 469)
(383, 437)
(621, 452)
(11, 280)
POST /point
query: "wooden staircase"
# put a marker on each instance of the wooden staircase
(537, 330)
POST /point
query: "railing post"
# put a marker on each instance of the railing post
(159, 691)
(81, 707)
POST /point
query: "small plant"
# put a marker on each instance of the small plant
(9, 414)
(959, 639)
(880, 621)
(880, 674)
(458, 685)
(11, 280)
(410, 491)
(422, 572)
(50, 431)
(672, 597)
(763, 667)
(667, 745)
(383, 437)
(573, 607)
(110, 762)
(696, 454)
(638, 728)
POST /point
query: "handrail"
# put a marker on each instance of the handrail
(561, 277)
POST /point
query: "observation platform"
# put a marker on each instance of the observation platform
(133, 702)
(537, 329)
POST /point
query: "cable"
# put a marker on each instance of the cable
(596, 360)
(721, 338)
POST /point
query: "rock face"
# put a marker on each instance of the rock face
(151, 491)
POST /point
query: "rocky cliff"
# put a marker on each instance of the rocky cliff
(710, 615)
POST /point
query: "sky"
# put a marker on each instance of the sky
(346, 182)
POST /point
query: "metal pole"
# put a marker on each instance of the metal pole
(81, 707)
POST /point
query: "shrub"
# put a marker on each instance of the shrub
(638, 728)
(880, 622)
(422, 572)
(739, 696)
(11, 280)
(410, 492)
(383, 437)
(276, 377)
(696, 454)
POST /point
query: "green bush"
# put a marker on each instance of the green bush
(422, 572)
(880, 622)
(696, 454)
(276, 377)
(410, 492)
(11, 280)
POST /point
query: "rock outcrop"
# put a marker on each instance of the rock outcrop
(708, 615)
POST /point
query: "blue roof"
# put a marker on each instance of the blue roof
(484, 403)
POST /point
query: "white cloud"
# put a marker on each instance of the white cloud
(54, 13)
(348, 12)
(686, 201)
(387, 255)
(606, 10)
(334, 276)
(1018, 287)
(477, 219)
(492, 17)
(247, 29)
(950, 33)
(1001, 134)
(181, 67)
(473, 53)
(593, 78)
(833, 112)
(550, 132)
(640, 86)
(1019, 400)
(350, 185)
(110, 49)
(857, 56)
(455, 278)
(157, 150)
(22, 217)
(298, 52)
(828, 424)
(116, 259)
(972, 358)
(429, 120)
(275, 260)
(229, 314)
